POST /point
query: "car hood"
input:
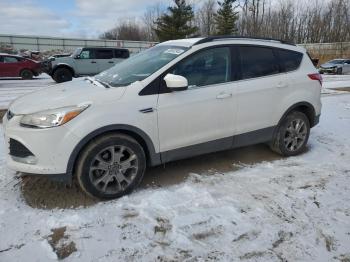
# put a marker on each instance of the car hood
(63, 60)
(329, 65)
(67, 94)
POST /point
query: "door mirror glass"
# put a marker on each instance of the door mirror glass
(176, 82)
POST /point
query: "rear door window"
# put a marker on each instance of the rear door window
(104, 54)
(1, 59)
(10, 59)
(257, 62)
(289, 60)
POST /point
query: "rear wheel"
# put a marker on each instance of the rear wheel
(111, 166)
(292, 135)
(62, 75)
(26, 74)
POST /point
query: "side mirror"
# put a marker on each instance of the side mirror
(77, 57)
(176, 82)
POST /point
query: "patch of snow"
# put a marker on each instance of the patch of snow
(295, 209)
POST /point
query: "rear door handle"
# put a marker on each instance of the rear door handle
(93, 62)
(224, 96)
(111, 62)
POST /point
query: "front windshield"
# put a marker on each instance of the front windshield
(336, 62)
(76, 52)
(140, 66)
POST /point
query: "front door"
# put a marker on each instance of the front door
(202, 118)
(86, 64)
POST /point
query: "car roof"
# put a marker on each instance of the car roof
(234, 40)
(4, 54)
(105, 47)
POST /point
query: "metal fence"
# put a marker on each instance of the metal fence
(45, 43)
(326, 51)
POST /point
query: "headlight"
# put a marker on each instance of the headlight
(52, 118)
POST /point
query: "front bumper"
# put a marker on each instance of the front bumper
(50, 148)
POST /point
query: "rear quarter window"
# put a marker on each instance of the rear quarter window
(121, 54)
(257, 62)
(104, 54)
(289, 60)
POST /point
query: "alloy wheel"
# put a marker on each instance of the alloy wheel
(295, 135)
(113, 169)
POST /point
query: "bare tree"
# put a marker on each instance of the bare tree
(205, 18)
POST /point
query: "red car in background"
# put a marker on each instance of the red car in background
(17, 66)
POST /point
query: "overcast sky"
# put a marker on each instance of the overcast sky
(79, 18)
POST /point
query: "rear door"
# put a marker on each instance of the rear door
(87, 64)
(120, 55)
(262, 85)
(104, 58)
(11, 66)
(346, 67)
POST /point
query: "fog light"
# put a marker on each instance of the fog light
(30, 160)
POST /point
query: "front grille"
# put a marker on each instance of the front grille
(19, 150)
(9, 115)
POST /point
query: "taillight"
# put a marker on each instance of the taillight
(316, 76)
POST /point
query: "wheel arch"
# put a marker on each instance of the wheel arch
(141, 137)
(63, 66)
(303, 107)
(26, 68)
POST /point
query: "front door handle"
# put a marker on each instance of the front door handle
(111, 62)
(224, 96)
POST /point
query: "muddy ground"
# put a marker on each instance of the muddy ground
(39, 192)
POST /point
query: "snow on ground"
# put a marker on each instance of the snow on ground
(295, 209)
(336, 81)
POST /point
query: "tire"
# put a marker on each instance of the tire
(102, 178)
(62, 75)
(339, 71)
(26, 74)
(288, 141)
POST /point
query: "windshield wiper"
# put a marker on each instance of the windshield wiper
(105, 84)
(93, 81)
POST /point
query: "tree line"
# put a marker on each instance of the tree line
(291, 20)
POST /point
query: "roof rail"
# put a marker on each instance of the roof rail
(222, 37)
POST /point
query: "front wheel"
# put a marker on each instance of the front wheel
(292, 135)
(62, 75)
(111, 166)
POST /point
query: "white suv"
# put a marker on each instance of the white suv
(176, 100)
